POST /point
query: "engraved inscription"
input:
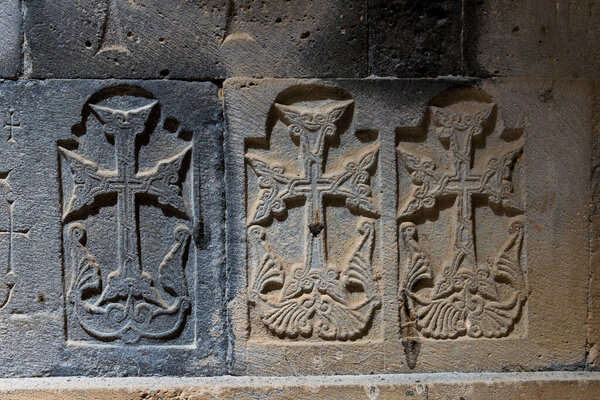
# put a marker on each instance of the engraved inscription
(468, 296)
(7, 275)
(130, 303)
(313, 297)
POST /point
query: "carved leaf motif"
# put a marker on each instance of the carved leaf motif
(417, 263)
(360, 192)
(442, 319)
(114, 120)
(171, 274)
(87, 179)
(163, 181)
(270, 199)
(507, 264)
(335, 112)
(495, 318)
(496, 179)
(86, 271)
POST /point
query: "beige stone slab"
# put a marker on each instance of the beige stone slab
(539, 38)
(544, 329)
(547, 386)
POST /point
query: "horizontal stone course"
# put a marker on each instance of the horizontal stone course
(548, 386)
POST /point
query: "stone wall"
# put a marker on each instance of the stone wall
(300, 187)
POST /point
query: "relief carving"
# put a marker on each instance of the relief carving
(129, 303)
(311, 296)
(468, 296)
(7, 275)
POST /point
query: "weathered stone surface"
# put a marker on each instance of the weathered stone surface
(10, 45)
(536, 38)
(306, 38)
(116, 38)
(196, 39)
(415, 38)
(332, 255)
(112, 228)
(594, 297)
(547, 386)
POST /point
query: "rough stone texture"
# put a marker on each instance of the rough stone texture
(306, 38)
(415, 38)
(196, 39)
(594, 297)
(343, 298)
(547, 386)
(10, 45)
(116, 38)
(532, 38)
(112, 228)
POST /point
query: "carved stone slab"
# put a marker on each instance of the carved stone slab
(111, 228)
(12, 38)
(196, 39)
(388, 226)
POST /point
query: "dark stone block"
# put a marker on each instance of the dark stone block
(10, 31)
(415, 38)
(111, 194)
(196, 39)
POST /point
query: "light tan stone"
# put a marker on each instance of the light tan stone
(523, 386)
(545, 325)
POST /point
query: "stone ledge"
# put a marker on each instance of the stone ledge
(439, 386)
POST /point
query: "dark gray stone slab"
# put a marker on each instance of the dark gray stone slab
(196, 39)
(111, 225)
(10, 31)
(415, 38)
(118, 38)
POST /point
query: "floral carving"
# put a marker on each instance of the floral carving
(313, 297)
(469, 297)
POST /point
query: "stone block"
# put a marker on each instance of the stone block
(196, 39)
(117, 38)
(545, 39)
(415, 38)
(111, 225)
(303, 38)
(389, 225)
(12, 38)
(480, 386)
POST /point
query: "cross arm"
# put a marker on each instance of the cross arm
(355, 183)
(426, 180)
(496, 180)
(88, 181)
(270, 198)
(163, 181)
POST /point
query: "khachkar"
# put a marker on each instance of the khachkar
(130, 303)
(313, 297)
(467, 296)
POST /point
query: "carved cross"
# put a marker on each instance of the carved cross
(457, 125)
(127, 183)
(11, 232)
(10, 124)
(313, 127)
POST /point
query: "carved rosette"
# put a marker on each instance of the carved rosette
(313, 297)
(466, 297)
